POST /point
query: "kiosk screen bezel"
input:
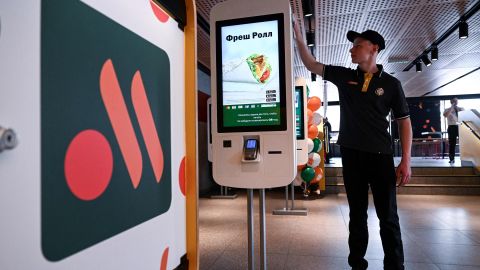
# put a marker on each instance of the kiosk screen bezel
(282, 126)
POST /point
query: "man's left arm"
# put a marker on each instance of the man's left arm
(403, 170)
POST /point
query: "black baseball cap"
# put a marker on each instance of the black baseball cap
(369, 35)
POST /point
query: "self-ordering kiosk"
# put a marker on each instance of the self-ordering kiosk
(253, 117)
(301, 121)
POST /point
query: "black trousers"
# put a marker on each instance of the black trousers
(452, 140)
(361, 170)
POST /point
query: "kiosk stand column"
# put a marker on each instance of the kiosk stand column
(251, 242)
(224, 194)
(292, 211)
(251, 231)
(263, 238)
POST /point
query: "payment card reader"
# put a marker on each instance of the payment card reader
(250, 150)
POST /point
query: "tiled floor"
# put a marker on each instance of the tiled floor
(416, 162)
(439, 233)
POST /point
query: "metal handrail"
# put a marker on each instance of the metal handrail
(471, 129)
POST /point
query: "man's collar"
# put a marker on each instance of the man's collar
(378, 73)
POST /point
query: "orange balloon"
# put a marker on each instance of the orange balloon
(314, 103)
(314, 181)
(318, 173)
(309, 116)
(312, 132)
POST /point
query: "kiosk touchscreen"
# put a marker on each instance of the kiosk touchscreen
(301, 124)
(253, 124)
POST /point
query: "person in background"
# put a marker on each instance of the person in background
(367, 95)
(327, 127)
(452, 120)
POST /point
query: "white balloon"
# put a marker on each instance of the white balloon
(313, 160)
(310, 145)
(316, 118)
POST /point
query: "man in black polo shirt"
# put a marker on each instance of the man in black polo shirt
(367, 95)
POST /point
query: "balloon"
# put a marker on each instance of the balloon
(309, 116)
(314, 181)
(307, 174)
(312, 131)
(314, 103)
(318, 175)
(316, 144)
(317, 118)
(310, 145)
(300, 167)
(313, 160)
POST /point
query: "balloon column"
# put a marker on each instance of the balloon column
(312, 172)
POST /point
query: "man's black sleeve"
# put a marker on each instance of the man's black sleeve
(334, 74)
(399, 103)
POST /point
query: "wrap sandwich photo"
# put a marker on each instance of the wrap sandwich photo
(253, 69)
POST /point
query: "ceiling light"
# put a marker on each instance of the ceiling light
(463, 29)
(307, 8)
(418, 66)
(426, 61)
(434, 54)
(310, 39)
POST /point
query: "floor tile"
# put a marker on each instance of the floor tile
(452, 254)
(299, 262)
(439, 233)
(457, 267)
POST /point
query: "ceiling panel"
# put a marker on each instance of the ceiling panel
(434, 19)
(466, 60)
(301, 72)
(466, 86)
(382, 4)
(334, 54)
(394, 68)
(443, 61)
(335, 7)
(409, 27)
(203, 47)
(455, 45)
(333, 29)
(407, 49)
(388, 22)
(429, 80)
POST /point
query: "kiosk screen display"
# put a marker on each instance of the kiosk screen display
(251, 74)
(299, 117)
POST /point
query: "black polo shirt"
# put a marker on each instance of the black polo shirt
(364, 109)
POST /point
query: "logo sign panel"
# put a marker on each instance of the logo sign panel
(105, 129)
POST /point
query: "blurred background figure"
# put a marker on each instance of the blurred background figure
(452, 119)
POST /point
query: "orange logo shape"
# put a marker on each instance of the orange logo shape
(122, 125)
(161, 15)
(88, 161)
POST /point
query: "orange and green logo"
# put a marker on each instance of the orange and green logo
(105, 129)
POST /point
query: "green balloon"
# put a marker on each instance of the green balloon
(316, 144)
(308, 173)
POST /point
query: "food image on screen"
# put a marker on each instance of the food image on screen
(251, 57)
(260, 67)
(252, 69)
